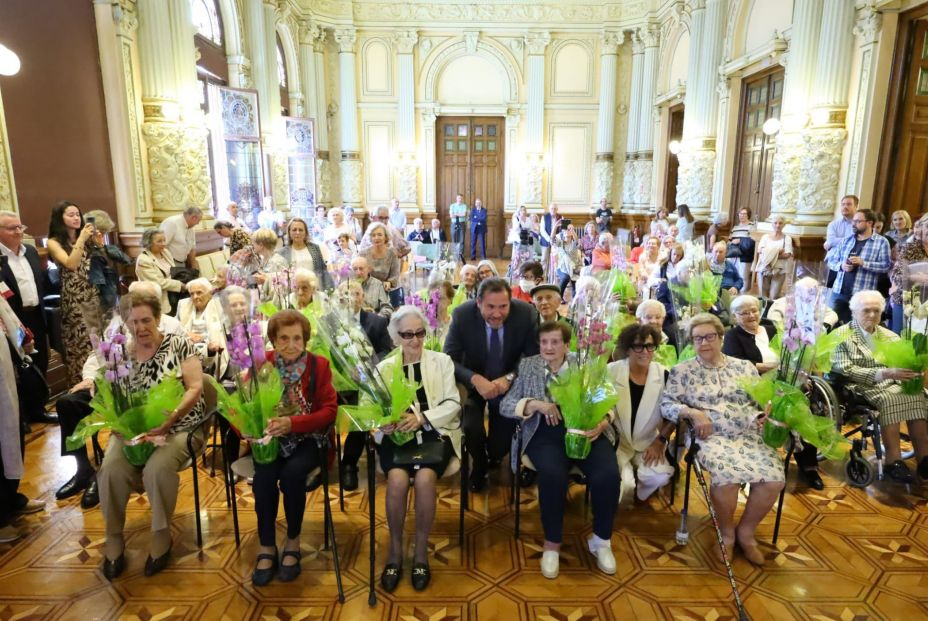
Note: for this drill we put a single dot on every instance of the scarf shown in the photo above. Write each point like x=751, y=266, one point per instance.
x=291, y=374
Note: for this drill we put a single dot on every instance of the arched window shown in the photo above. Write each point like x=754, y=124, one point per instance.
x=206, y=20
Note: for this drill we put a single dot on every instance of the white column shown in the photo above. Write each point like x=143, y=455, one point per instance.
x=116, y=33
x=534, y=136
x=348, y=108
x=159, y=81
x=650, y=37
x=260, y=63
x=429, y=117
x=867, y=29
x=308, y=32
x=824, y=139
x=629, y=179
x=697, y=159
x=603, y=169
x=312, y=66
x=272, y=89
x=185, y=59
x=512, y=143
x=407, y=167
x=797, y=91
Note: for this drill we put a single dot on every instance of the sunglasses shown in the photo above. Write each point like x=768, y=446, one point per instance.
x=640, y=347
x=408, y=336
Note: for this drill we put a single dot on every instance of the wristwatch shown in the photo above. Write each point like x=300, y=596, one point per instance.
x=510, y=377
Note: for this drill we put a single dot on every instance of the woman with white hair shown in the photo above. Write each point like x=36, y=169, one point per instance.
x=200, y=316
x=652, y=313
x=880, y=386
x=486, y=269
x=469, y=280
x=601, y=259
x=435, y=417
x=338, y=226
x=304, y=289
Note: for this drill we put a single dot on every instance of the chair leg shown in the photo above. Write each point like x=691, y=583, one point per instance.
x=461, y=506
x=676, y=464
x=371, y=498
x=338, y=455
x=212, y=459
x=230, y=484
x=196, y=488
x=465, y=475
x=517, y=477
x=330, y=528
x=776, y=523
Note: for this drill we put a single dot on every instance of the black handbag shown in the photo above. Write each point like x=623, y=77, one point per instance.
x=426, y=449
x=31, y=386
x=184, y=274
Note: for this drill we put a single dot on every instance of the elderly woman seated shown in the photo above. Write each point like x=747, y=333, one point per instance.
x=706, y=391
x=468, y=275
x=543, y=433
x=201, y=318
x=155, y=356
x=881, y=386
x=601, y=258
x=308, y=406
x=435, y=418
x=643, y=434
x=485, y=269
x=154, y=265
x=750, y=340
x=653, y=313
x=304, y=290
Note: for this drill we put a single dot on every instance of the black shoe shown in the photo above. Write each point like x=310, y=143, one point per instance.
x=74, y=486
x=91, y=497
x=478, y=482
x=289, y=573
x=261, y=577
x=45, y=418
x=314, y=483
x=421, y=576
x=923, y=469
x=155, y=565
x=900, y=473
x=812, y=479
x=390, y=578
x=494, y=462
x=349, y=478
x=112, y=569
x=527, y=478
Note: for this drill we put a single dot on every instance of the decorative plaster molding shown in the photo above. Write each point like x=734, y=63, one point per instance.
x=869, y=25
x=603, y=177
x=470, y=40
x=406, y=178
x=425, y=45
x=178, y=167
x=536, y=42
x=424, y=11
x=636, y=183
x=534, y=177
x=405, y=41
x=819, y=173
x=637, y=43
x=323, y=181
x=650, y=35
x=351, y=181
x=456, y=50
x=610, y=41
x=786, y=165
x=346, y=39
x=126, y=19
x=7, y=195
x=860, y=117
x=280, y=182
x=694, y=181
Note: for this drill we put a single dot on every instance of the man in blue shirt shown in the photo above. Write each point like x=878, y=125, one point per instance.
x=478, y=230
x=457, y=211
x=859, y=260
x=839, y=228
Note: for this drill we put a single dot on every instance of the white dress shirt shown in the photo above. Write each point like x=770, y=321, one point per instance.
x=180, y=239
x=25, y=279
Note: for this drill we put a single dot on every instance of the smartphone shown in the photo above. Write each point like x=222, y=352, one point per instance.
x=20, y=336
x=92, y=221
x=852, y=254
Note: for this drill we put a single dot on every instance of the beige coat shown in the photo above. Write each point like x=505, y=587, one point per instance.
x=147, y=269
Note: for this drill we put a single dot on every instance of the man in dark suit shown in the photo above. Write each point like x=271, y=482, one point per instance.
x=22, y=284
x=436, y=233
x=487, y=338
x=375, y=327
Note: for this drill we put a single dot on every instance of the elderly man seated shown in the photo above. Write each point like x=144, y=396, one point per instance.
x=727, y=268
x=75, y=405
x=881, y=386
x=546, y=298
x=375, y=295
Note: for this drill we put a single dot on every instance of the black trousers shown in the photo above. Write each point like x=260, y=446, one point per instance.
x=548, y=455
x=71, y=408
x=807, y=458
x=287, y=475
x=481, y=444
x=354, y=442
x=11, y=501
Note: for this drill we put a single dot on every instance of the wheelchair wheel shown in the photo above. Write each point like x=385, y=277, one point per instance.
x=824, y=402
x=859, y=471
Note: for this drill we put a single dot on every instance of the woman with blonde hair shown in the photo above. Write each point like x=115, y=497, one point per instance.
x=772, y=261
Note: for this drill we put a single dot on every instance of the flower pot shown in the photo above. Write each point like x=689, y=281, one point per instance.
x=265, y=453
x=138, y=455
x=576, y=445
x=400, y=438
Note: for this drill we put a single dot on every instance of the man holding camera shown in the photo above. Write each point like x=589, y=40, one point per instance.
x=858, y=260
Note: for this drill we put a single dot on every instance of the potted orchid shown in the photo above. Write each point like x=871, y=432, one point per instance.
x=911, y=350
x=429, y=304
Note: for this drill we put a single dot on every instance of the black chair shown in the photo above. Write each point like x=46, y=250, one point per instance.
x=450, y=471
x=234, y=466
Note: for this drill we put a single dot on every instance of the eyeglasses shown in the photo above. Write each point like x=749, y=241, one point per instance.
x=16, y=228
x=707, y=338
x=408, y=336
x=745, y=313
x=640, y=347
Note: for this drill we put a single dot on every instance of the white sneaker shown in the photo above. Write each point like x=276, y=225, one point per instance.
x=8, y=534
x=604, y=557
x=550, y=564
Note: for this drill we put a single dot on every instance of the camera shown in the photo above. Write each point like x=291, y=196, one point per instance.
x=92, y=221
x=525, y=237
x=565, y=222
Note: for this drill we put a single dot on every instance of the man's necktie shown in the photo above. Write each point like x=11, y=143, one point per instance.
x=494, y=366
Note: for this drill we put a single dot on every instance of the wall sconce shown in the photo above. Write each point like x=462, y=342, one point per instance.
x=675, y=147
x=771, y=126
x=9, y=61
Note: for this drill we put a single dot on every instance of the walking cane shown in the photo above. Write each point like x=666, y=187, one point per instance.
x=693, y=463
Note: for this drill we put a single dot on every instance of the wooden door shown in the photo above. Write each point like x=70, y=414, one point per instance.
x=908, y=184
x=674, y=132
x=760, y=100
x=470, y=163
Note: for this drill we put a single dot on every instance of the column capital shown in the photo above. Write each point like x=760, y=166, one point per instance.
x=610, y=40
x=346, y=38
x=125, y=17
x=697, y=5
x=869, y=25
x=637, y=43
x=405, y=41
x=536, y=42
x=309, y=32
x=429, y=115
x=650, y=35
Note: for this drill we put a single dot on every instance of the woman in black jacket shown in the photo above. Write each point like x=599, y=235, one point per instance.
x=750, y=340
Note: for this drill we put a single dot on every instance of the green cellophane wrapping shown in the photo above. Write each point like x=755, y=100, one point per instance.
x=375, y=411
x=701, y=291
x=147, y=411
x=341, y=381
x=824, y=348
x=665, y=355
x=904, y=354
x=791, y=410
x=623, y=288
x=584, y=396
x=250, y=409
x=460, y=296
x=688, y=353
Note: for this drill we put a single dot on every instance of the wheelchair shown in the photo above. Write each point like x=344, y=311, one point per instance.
x=865, y=429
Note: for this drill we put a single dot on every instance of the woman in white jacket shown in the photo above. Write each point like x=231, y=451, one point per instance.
x=437, y=417
x=643, y=434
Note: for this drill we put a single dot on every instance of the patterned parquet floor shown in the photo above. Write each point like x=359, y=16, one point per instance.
x=844, y=555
